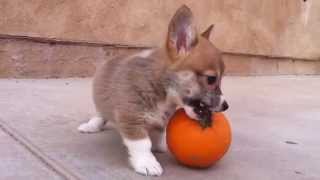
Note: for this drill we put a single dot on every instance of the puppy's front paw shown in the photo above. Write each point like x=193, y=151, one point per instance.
x=146, y=165
x=95, y=124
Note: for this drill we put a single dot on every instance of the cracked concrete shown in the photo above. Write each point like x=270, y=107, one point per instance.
x=275, y=122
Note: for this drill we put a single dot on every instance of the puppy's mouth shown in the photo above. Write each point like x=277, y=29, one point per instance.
x=196, y=109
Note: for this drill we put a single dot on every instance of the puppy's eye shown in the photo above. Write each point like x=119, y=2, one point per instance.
x=211, y=79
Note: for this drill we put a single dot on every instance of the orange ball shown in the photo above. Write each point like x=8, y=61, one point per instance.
x=195, y=146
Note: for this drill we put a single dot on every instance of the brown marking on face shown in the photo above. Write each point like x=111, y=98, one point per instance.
x=204, y=59
x=187, y=49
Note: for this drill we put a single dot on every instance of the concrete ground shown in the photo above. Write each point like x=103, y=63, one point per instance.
x=275, y=122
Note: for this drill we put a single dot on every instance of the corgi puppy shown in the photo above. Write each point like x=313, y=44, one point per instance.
x=139, y=93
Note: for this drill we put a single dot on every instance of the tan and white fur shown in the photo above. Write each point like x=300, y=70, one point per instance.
x=139, y=93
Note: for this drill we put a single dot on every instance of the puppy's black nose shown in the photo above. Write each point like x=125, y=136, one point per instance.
x=225, y=106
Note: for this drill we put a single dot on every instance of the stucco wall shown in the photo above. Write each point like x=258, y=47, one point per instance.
x=267, y=27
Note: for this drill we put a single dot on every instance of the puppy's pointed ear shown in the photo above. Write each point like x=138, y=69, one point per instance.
x=206, y=34
x=182, y=33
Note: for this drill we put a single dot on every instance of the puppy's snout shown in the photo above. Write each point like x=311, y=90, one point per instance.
x=224, y=106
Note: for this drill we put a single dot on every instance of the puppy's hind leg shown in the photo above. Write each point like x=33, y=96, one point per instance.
x=95, y=124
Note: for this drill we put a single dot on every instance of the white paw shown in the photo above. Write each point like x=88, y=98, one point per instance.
x=146, y=165
x=95, y=124
x=141, y=158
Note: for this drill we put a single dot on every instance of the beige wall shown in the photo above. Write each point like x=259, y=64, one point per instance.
x=267, y=27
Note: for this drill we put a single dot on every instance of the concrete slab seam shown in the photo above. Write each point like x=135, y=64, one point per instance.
x=36, y=152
